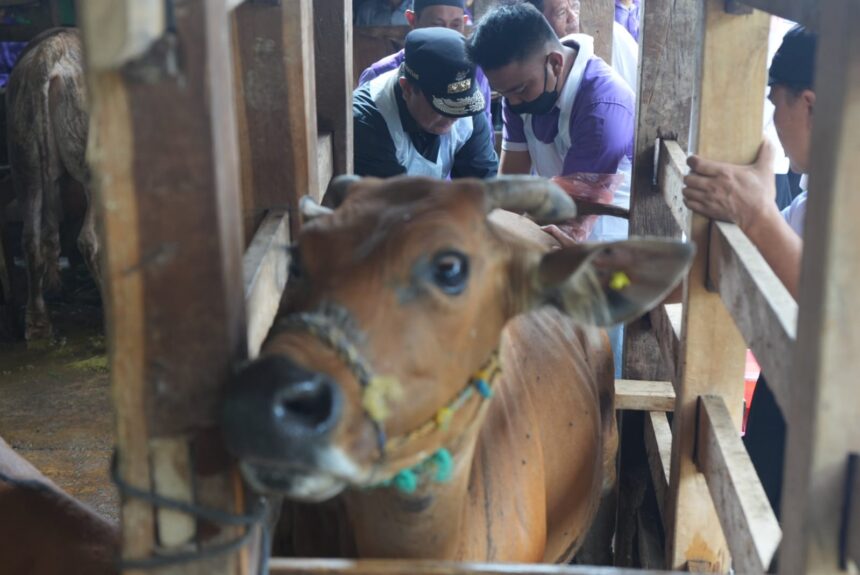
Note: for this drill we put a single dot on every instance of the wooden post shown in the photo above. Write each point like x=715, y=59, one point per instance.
x=823, y=424
x=726, y=126
x=666, y=70
x=333, y=41
x=596, y=20
x=164, y=158
x=275, y=99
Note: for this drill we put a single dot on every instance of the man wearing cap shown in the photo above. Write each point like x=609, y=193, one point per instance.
x=426, y=14
x=745, y=195
x=425, y=117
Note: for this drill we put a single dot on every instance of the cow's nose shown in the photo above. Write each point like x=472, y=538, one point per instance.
x=307, y=409
x=276, y=410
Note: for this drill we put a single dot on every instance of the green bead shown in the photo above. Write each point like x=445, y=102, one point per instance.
x=444, y=465
x=406, y=481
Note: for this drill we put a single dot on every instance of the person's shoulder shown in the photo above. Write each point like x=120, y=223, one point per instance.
x=602, y=83
x=381, y=66
x=363, y=106
x=795, y=213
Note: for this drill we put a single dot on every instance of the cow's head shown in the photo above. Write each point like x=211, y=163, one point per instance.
x=396, y=303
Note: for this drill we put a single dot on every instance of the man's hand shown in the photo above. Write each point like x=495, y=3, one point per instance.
x=728, y=192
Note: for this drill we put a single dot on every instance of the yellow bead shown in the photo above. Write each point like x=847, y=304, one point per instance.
x=443, y=417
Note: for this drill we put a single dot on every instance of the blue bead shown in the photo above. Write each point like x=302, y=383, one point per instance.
x=484, y=389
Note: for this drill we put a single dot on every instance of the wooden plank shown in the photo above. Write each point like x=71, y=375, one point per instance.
x=596, y=20
x=748, y=521
x=644, y=395
x=127, y=29
x=804, y=12
x=758, y=301
x=277, y=107
x=265, y=272
x=417, y=567
x=672, y=167
x=325, y=165
x=823, y=423
x=166, y=170
x=666, y=71
x=666, y=324
x=726, y=126
x=334, y=76
x=852, y=515
x=658, y=445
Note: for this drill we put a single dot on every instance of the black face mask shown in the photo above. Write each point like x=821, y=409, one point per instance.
x=543, y=103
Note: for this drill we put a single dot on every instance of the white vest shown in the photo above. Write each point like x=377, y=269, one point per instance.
x=383, y=94
x=548, y=159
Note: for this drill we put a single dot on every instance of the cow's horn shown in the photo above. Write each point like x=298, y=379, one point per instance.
x=337, y=189
x=310, y=209
x=540, y=198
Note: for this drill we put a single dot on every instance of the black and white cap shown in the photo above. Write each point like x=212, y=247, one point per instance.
x=436, y=60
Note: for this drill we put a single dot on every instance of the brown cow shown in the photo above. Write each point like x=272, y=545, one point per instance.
x=47, y=136
x=44, y=531
x=371, y=386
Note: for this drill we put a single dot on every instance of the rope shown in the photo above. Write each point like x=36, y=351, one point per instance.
x=257, y=517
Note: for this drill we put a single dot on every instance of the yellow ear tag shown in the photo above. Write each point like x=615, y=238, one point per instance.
x=378, y=393
x=619, y=281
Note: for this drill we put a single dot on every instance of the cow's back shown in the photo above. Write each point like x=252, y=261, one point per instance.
x=43, y=530
x=45, y=102
x=547, y=447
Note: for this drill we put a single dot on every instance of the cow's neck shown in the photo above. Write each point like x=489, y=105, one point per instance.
x=423, y=524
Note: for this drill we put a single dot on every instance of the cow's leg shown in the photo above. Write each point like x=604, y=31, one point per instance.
x=88, y=242
x=37, y=323
x=51, y=208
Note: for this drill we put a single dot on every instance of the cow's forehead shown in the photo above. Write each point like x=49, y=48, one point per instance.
x=400, y=210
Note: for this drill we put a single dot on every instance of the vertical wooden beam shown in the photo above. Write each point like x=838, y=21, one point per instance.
x=164, y=158
x=333, y=41
x=823, y=426
x=726, y=126
x=596, y=20
x=666, y=70
x=275, y=99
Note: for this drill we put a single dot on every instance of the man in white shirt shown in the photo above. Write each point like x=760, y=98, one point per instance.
x=745, y=195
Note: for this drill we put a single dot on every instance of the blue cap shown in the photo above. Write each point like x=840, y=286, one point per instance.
x=436, y=61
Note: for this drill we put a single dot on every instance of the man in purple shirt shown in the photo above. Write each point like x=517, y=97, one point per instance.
x=427, y=14
x=565, y=110
x=627, y=14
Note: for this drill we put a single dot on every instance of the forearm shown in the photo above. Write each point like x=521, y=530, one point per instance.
x=780, y=246
x=515, y=163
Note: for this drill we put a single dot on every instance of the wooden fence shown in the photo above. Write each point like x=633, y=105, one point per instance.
x=205, y=133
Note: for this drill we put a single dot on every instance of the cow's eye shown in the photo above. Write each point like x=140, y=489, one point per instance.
x=451, y=271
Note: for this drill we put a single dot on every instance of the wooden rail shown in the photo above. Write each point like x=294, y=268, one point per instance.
x=658, y=446
x=643, y=395
x=417, y=567
x=761, y=306
x=758, y=302
x=801, y=11
x=748, y=521
x=265, y=271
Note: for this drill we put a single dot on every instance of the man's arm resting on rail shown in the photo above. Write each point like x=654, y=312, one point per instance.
x=745, y=196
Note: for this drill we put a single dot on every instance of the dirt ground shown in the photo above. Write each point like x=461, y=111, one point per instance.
x=55, y=405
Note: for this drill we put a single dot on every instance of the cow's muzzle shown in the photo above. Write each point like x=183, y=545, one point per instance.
x=278, y=418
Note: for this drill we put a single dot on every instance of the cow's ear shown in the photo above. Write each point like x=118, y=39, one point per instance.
x=606, y=284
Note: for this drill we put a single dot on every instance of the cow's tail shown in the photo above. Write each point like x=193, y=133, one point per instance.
x=50, y=231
